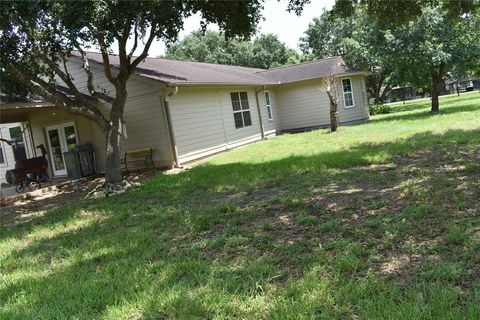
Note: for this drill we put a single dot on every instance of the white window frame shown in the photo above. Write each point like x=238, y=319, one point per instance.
x=268, y=105
x=61, y=131
x=343, y=92
x=242, y=110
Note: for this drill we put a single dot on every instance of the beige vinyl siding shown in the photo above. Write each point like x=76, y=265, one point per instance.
x=236, y=137
x=144, y=116
x=197, y=123
x=303, y=105
x=203, y=122
x=271, y=127
x=144, y=113
x=360, y=109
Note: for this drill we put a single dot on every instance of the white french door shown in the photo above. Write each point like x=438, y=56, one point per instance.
x=61, y=138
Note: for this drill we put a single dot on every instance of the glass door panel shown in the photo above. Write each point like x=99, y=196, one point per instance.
x=19, y=150
x=56, y=151
x=61, y=138
x=70, y=137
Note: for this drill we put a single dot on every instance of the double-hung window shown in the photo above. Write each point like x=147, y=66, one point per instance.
x=241, y=109
x=347, y=93
x=268, y=103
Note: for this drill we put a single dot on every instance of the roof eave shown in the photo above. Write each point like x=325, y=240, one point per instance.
x=216, y=84
x=354, y=73
x=338, y=75
x=25, y=105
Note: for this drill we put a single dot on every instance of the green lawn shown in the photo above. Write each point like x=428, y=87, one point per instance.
x=376, y=221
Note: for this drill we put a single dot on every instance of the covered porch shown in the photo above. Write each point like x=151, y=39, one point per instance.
x=51, y=132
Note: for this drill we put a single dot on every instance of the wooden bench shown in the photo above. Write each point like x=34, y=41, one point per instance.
x=143, y=155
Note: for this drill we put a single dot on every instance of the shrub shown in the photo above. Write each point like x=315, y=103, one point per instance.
x=379, y=109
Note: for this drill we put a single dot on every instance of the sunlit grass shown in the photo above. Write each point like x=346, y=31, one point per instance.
x=376, y=221
x=406, y=121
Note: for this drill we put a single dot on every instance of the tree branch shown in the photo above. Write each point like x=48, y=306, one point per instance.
x=371, y=92
x=144, y=53
x=135, y=43
x=386, y=90
x=106, y=60
x=90, y=87
x=63, y=75
x=122, y=54
x=122, y=44
x=60, y=99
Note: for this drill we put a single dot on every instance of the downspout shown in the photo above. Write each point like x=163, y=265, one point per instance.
x=262, y=130
x=173, y=143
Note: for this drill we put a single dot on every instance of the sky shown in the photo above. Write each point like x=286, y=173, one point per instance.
x=287, y=25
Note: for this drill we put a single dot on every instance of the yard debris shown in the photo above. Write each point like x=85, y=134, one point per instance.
x=176, y=170
x=102, y=191
x=63, y=193
x=99, y=194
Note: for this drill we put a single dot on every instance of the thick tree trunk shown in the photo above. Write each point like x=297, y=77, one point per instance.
x=374, y=86
x=435, y=105
x=113, y=169
x=377, y=98
x=333, y=117
x=436, y=81
x=330, y=86
x=386, y=90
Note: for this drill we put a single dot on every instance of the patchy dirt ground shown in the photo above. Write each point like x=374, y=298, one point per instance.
x=408, y=217
x=399, y=219
x=66, y=193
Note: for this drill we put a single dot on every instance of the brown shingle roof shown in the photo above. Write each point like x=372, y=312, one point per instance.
x=308, y=70
x=185, y=72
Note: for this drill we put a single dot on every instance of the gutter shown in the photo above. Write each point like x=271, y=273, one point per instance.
x=171, y=134
x=262, y=129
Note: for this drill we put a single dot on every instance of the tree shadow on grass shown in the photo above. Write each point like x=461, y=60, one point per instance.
x=468, y=106
x=412, y=105
x=166, y=249
x=189, y=188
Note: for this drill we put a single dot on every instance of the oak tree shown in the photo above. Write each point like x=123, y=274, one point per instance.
x=266, y=51
x=428, y=48
x=360, y=41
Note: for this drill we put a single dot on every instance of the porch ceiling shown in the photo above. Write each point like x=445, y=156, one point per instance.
x=18, y=112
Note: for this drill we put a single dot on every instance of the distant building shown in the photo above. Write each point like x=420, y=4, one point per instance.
x=403, y=93
x=464, y=84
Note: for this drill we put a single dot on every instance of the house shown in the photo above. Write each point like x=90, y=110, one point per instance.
x=189, y=110
x=464, y=84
